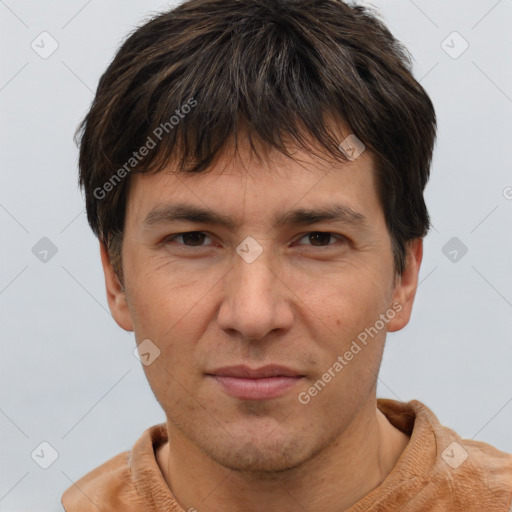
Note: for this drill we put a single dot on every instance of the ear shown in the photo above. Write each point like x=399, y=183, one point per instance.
x=115, y=293
x=406, y=285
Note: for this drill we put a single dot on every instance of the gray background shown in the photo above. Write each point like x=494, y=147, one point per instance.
x=68, y=374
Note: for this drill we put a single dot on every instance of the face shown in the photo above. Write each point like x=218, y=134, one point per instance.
x=298, y=293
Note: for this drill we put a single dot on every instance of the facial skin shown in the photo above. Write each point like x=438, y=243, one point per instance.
x=299, y=304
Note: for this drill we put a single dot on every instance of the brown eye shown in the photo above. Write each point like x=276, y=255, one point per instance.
x=320, y=238
x=189, y=239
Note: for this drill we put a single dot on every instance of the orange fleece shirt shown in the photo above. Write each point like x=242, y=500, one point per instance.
x=431, y=475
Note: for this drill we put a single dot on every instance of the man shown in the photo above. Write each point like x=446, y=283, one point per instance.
x=254, y=170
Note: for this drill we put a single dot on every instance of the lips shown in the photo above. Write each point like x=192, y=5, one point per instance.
x=263, y=383
x=243, y=371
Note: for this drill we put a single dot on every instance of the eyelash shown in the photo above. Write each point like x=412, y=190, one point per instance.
x=171, y=238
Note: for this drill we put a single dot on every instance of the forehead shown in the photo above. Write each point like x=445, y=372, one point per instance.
x=239, y=186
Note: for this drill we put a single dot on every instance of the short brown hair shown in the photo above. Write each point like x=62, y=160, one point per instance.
x=196, y=74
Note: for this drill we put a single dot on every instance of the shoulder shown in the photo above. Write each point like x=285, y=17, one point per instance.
x=115, y=485
x=473, y=474
x=478, y=466
x=103, y=488
x=439, y=470
x=470, y=475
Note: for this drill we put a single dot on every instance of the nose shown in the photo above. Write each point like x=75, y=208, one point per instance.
x=256, y=300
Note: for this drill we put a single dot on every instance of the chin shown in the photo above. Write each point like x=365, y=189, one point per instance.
x=260, y=457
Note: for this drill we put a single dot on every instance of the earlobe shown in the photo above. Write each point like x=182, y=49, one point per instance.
x=405, y=288
x=116, y=296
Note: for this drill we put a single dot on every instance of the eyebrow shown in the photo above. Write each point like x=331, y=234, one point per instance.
x=300, y=216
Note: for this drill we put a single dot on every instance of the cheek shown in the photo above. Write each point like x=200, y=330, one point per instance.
x=171, y=312
x=345, y=316
x=347, y=303
x=172, y=309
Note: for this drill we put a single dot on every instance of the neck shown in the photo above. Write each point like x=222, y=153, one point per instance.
x=333, y=480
